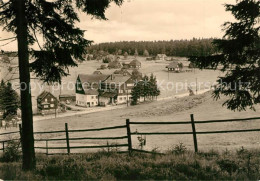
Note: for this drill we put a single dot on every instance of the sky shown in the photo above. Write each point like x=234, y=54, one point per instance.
x=148, y=20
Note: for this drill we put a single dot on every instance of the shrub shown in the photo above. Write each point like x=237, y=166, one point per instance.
x=179, y=149
x=12, y=152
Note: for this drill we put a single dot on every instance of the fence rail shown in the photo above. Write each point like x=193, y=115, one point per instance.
x=129, y=134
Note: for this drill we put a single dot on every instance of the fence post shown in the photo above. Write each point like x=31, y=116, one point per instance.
x=194, y=133
x=129, y=136
x=67, y=138
x=47, y=151
x=20, y=131
x=3, y=146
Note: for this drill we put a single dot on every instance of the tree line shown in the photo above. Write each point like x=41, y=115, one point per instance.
x=181, y=48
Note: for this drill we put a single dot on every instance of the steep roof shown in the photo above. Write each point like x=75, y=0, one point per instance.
x=43, y=95
x=118, y=79
x=122, y=72
x=135, y=62
x=97, y=72
x=173, y=65
x=94, y=78
x=91, y=92
x=108, y=94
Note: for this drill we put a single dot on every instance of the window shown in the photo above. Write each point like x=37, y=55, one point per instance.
x=46, y=100
x=125, y=98
x=92, y=97
x=120, y=98
x=96, y=97
x=92, y=103
x=52, y=99
x=45, y=106
x=52, y=105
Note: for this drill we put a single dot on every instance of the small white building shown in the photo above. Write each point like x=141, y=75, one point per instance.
x=87, y=86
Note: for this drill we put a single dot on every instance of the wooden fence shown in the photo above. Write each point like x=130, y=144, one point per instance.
x=128, y=136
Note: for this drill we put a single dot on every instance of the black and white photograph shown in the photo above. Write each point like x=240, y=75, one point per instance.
x=129, y=90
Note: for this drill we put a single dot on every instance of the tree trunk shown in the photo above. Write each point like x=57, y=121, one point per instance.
x=26, y=102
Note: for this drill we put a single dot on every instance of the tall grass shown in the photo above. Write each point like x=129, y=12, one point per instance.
x=239, y=165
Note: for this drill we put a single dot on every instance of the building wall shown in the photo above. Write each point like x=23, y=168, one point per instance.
x=122, y=99
x=86, y=100
x=104, y=101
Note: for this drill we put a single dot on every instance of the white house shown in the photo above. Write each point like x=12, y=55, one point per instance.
x=87, y=89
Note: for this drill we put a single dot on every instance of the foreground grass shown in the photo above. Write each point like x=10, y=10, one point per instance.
x=240, y=165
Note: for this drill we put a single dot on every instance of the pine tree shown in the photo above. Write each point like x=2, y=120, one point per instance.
x=9, y=100
x=155, y=91
x=2, y=92
x=64, y=45
x=238, y=56
x=145, y=91
x=147, y=88
x=136, y=93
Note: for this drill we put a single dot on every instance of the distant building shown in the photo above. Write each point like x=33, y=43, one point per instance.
x=116, y=90
x=136, y=75
x=150, y=58
x=47, y=103
x=161, y=57
x=135, y=64
x=103, y=67
x=67, y=98
x=122, y=72
x=114, y=65
x=97, y=72
x=87, y=87
x=174, y=66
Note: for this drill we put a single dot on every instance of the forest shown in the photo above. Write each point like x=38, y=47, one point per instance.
x=180, y=48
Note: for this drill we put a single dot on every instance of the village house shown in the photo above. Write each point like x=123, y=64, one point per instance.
x=114, y=65
x=136, y=75
x=67, y=98
x=47, y=103
x=161, y=56
x=174, y=67
x=97, y=72
x=123, y=72
x=87, y=87
x=135, y=64
x=116, y=89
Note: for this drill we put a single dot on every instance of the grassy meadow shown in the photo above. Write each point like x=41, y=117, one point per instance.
x=176, y=164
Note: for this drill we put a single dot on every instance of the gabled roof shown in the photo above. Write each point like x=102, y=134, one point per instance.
x=97, y=72
x=108, y=94
x=135, y=62
x=44, y=94
x=173, y=65
x=122, y=72
x=86, y=78
x=91, y=92
x=117, y=79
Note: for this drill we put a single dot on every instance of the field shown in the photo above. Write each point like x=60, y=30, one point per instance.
x=202, y=106
x=167, y=108
x=171, y=83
